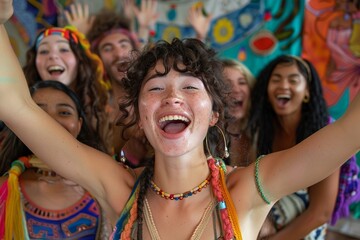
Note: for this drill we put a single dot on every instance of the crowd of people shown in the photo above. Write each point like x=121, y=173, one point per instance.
x=160, y=140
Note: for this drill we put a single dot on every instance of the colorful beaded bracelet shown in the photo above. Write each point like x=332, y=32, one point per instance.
x=257, y=180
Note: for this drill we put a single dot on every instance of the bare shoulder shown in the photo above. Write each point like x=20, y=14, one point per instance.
x=240, y=183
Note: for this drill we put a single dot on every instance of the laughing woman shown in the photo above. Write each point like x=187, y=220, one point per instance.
x=52, y=206
x=175, y=90
x=63, y=54
x=290, y=107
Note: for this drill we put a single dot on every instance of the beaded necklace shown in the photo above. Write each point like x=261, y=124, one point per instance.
x=45, y=173
x=180, y=196
x=48, y=176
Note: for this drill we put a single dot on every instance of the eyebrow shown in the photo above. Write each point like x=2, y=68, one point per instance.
x=124, y=40
x=58, y=105
x=120, y=41
x=65, y=105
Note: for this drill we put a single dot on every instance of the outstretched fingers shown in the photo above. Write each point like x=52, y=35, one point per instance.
x=6, y=10
x=79, y=17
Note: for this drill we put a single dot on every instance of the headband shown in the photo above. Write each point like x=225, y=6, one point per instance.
x=133, y=39
x=305, y=64
x=73, y=35
x=62, y=32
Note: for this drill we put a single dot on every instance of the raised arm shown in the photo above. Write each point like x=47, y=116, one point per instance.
x=313, y=159
x=199, y=21
x=146, y=17
x=79, y=17
x=92, y=169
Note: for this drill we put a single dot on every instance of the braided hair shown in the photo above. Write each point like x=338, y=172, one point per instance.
x=185, y=56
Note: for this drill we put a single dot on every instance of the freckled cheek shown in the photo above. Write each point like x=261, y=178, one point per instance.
x=144, y=109
x=204, y=103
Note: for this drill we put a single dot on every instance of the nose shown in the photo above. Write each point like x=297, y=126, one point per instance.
x=284, y=84
x=53, y=55
x=120, y=52
x=172, y=97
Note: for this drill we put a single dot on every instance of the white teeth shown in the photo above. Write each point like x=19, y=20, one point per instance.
x=174, y=117
x=55, y=68
x=281, y=96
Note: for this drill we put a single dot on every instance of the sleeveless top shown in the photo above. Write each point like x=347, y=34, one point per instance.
x=291, y=206
x=82, y=220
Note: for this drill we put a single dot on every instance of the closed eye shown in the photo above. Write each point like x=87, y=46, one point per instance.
x=191, y=87
x=42, y=52
x=156, y=89
x=64, y=50
x=65, y=113
x=294, y=80
x=275, y=80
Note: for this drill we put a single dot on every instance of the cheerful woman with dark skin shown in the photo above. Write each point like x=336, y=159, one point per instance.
x=290, y=107
x=175, y=89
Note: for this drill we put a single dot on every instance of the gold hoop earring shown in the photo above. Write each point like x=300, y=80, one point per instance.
x=207, y=146
x=306, y=99
x=226, y=151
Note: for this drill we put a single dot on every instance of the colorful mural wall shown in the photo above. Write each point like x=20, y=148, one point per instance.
x=253, y=31
x=331, y=41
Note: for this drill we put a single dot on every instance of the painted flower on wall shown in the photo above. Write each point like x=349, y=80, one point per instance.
x=223, y=31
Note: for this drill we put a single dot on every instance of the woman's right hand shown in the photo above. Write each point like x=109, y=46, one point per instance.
x=79, y=17
x=6, y=10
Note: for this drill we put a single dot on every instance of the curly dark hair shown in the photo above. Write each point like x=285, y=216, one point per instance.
x=12, y=147
x=188, y=55
x=91, y=92
x=185, y=56
x=105, y=21
x=262, y=116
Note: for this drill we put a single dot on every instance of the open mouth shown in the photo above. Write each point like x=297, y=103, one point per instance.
x=282, y=99
x=174, y=123
x=236, y=103
x=55, y=70
x=122, y=65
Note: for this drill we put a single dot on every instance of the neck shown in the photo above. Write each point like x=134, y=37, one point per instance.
x=235, y=127
x=179, y=174
x=46, y=173
x=288, y=124
x=285, y=134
